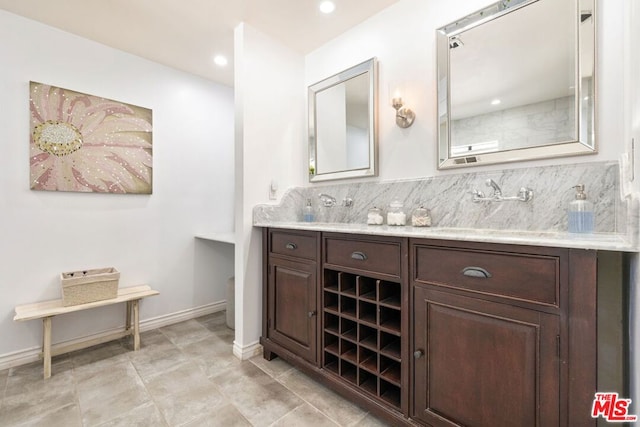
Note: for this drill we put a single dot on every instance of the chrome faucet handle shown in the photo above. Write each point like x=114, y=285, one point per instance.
x=525, y=194
x=478, y=196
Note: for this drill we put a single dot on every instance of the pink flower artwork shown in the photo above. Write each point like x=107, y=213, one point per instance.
x=85, y=143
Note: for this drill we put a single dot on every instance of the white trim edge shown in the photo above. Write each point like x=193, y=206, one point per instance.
x=248, y=351
x=22, y=357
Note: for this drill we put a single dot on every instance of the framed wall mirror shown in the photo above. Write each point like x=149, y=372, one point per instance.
x=342, y=124
x=516, y=81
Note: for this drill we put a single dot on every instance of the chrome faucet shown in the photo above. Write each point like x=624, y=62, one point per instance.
x=327, y=200
x=330, y=201
x=524, y=195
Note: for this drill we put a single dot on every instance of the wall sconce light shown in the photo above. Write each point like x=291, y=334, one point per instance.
x=404, y=116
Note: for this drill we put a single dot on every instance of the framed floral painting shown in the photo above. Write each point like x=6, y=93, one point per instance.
x=85, y=143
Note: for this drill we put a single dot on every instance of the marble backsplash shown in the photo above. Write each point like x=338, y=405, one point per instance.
x=450, y=201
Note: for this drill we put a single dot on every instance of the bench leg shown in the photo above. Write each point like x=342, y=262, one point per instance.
x=136, y=324
x=46, y=346
x=127, y=325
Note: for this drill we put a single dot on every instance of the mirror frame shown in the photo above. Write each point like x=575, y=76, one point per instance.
x=586, y=139
x=370, y=67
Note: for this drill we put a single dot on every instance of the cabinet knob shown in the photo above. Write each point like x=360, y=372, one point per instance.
x=311, y=314
x=418, y=354
x=291, y=246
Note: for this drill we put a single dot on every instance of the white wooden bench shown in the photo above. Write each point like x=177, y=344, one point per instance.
x=46, y=310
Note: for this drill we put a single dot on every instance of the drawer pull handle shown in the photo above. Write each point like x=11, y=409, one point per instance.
x=360, y=256
x=476, y=272
x=418, y=354
x=291, y=246
x=311, y=314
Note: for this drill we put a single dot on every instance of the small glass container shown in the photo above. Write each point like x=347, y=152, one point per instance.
x=396, y=215
x=421, y=217
x=374, y=216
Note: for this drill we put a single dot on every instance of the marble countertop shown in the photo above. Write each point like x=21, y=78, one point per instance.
x=598, y=241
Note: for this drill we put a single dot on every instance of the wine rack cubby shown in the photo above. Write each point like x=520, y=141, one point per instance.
x=362, y=333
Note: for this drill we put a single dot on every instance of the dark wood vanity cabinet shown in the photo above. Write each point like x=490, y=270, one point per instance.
x=291, y=293
x=493, y=329
x=436, y=332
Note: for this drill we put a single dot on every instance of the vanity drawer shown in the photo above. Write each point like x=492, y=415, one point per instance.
x=372, y=256
x=299, y=245
x=525, y=277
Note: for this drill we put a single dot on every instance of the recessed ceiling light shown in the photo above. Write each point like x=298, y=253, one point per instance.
x=220, y=60
x=327, y=7
x=495, y=102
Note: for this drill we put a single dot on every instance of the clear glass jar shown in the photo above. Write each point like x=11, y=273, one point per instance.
x=374, y=216
x=395, y=214
x=421, y=217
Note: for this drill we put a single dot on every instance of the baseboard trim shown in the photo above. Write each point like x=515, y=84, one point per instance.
x=22, y=357
x=181, y=316
x=248, y=351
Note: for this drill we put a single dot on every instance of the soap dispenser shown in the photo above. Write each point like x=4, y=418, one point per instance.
x=581, y=214
x=307, y=212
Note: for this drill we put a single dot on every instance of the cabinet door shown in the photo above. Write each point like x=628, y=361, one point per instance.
x=481, y=363
x=292, y=319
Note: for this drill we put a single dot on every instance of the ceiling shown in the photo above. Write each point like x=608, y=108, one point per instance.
x=186, y=34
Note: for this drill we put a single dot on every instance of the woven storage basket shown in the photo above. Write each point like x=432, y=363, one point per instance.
x=79, y=287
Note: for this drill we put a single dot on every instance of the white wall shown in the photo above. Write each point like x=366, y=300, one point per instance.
x=149, y=238
x=269, y=135
x=402, y=37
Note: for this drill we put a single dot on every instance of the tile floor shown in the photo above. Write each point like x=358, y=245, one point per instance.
x=184, y=375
